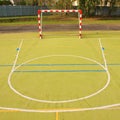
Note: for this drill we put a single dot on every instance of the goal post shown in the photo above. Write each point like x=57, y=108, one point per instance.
x=59, y=11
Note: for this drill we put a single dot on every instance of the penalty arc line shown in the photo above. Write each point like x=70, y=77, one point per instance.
x=50, y=101
x=105, y=63
x=14, y=65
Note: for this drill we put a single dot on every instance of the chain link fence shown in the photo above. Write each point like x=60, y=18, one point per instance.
x=19, y=10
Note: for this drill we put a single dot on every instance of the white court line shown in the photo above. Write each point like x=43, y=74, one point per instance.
x=17, y=55
x=105, y=61
x=106, y=107
x=103, y=54
x=63, y=101
x=14, y=63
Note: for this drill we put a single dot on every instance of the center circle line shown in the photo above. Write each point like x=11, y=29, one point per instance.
x=61, y=101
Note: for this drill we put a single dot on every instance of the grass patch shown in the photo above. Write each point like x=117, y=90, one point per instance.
x=56, y=19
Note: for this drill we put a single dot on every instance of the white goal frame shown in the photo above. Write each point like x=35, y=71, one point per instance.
x=59, y=11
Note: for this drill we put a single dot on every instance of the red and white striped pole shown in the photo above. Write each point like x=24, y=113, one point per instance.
x=80, y=23
x=42, y=11
x=39, y=24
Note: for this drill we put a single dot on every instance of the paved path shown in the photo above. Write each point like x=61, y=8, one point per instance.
x=34, y=28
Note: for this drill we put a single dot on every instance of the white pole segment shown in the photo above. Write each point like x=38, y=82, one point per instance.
x=42, y=11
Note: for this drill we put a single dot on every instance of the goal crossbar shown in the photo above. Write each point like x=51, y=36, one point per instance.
x=59, y=11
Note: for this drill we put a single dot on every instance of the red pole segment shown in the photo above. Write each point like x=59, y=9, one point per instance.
x=39, y=24
x=80, y=23
x=40, y=19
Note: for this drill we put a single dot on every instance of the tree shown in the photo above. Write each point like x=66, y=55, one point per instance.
x=49, y=3
x=63, y=4
x=88, y=6
x=35, y=2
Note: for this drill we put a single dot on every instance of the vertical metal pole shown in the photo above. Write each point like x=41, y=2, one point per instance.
x=80, y=24
x=39, y=24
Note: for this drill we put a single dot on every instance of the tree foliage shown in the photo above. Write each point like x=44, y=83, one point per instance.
x=63, y=4
x=88, y=6
x=5, y=2
x=49, y=3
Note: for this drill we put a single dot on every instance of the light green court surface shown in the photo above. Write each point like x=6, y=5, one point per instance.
x=60, y=77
